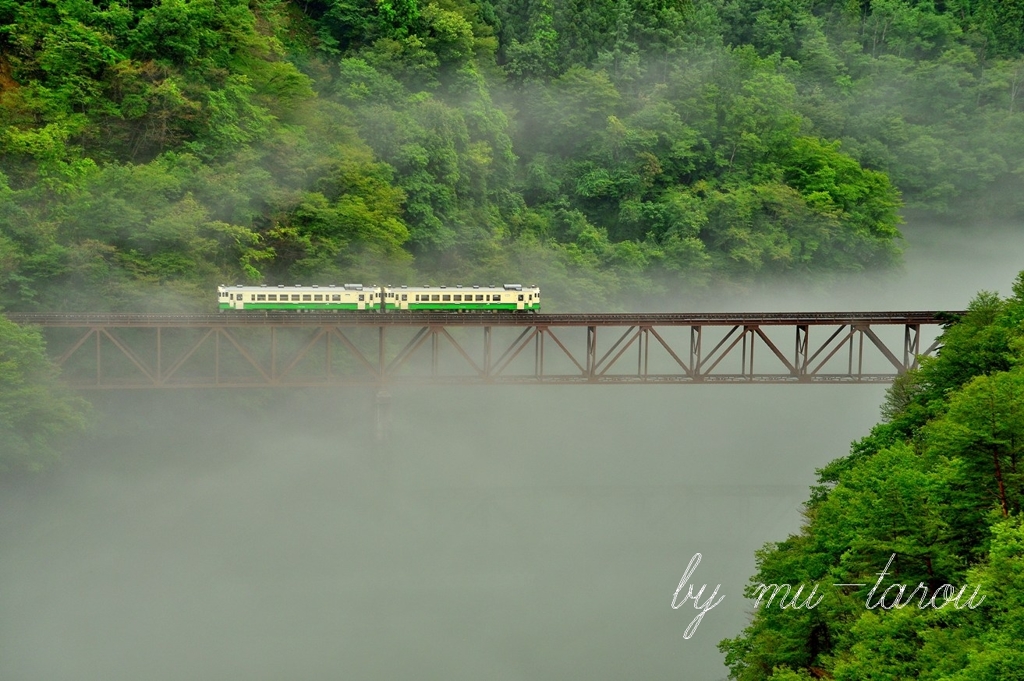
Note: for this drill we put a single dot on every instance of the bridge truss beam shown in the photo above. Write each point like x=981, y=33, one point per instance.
x=293, y=350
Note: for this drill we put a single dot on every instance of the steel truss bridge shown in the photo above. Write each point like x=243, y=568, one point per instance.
x=247, y=350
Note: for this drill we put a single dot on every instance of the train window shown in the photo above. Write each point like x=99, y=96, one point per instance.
x=435, y=297
x=496, y=297
x=336, y=296
x=479, y=297
x=306, y=296
x=405, y=296
x=261, y=297
x=272, y=296
x=446, y=297
x=520, y=297
x=320, y=297
x=457, y=298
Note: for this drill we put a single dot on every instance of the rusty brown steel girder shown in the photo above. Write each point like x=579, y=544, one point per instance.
x=246, y=350
x=283, y=318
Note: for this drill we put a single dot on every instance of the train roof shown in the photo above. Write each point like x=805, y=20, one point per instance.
x=271, y=287
x=360, y=287
x=460, y=287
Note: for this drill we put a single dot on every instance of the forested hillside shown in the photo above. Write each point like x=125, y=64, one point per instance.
x=938, y=487
x=149, y=150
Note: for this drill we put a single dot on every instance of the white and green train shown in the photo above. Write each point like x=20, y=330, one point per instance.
x=507, y=298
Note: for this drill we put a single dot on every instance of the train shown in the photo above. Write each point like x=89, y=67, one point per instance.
x=356, y=297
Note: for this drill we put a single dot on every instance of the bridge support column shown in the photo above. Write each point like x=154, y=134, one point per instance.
x=487, y=352
x=800, y=358
x=695, y=352
x=911, y=346
x=591, y=352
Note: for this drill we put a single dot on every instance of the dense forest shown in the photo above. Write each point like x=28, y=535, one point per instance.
x=150, y=150
x=939, y=485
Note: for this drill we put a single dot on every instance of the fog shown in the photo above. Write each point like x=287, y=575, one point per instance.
x=503, y=533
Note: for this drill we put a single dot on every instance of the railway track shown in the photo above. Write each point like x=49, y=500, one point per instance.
x=239, y=319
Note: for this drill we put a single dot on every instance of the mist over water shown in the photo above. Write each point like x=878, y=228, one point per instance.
x=945, y=266
x=504, y=533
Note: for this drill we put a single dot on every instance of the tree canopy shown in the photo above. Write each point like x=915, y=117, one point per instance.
x=939, y=485
x=600, y=146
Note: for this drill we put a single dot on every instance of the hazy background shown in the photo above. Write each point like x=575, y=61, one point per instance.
x=506, y=533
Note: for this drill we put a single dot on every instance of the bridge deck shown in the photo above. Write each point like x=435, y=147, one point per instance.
x=481, y=319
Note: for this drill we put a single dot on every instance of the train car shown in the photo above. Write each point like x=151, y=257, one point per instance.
x=299, y=298
x=507, y=298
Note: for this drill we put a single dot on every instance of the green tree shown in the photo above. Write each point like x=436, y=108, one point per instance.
x=938, y=487
x=37, y=413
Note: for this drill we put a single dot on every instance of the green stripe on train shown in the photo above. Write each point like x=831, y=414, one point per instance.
x=471, y=306
x=389, y=306
x=293, y=306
